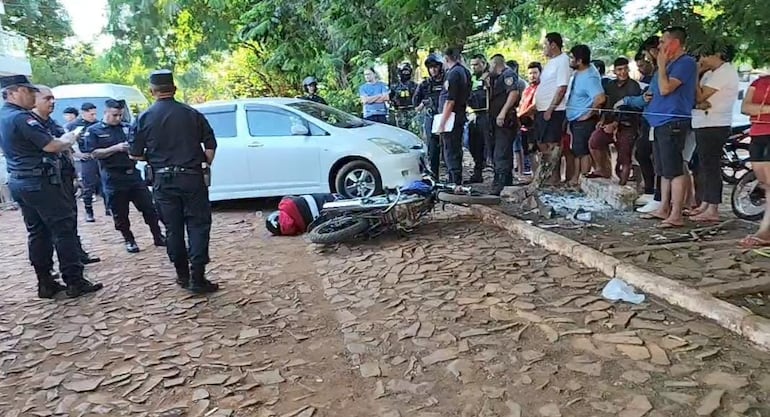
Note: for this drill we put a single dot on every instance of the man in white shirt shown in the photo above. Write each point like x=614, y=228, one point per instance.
x=550, y=97
x=712, y=118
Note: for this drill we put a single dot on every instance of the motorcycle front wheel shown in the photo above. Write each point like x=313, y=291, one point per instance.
x=338, y=230
x=473, y=198
x=748, y=198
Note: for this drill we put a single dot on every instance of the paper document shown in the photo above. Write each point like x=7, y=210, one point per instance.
x=450, y=123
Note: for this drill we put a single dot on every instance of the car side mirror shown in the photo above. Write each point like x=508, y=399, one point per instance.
x=740, y=95
x=299, y=130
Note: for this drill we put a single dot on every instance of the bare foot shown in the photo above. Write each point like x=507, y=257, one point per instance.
x=674, y=220
x=704, y=218
x=660, y=214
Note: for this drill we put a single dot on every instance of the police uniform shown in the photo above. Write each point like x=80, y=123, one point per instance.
x=123, y=184
x=35, y=183
x=169, y=136
x=89, y=171
x=314, y=97
x=428, y=93
x=456, y=88
x=401, y=96
x=479, y=131
x=68, y=176
x=502, y=85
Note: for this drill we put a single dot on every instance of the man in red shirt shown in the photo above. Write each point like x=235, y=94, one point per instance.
x=527, y=112
x=756, y=104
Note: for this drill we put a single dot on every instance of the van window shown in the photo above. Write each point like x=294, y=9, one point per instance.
x=63, y=103
x=223, y=123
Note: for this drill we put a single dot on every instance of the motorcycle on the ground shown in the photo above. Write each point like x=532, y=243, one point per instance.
x=399, y=210
x=748, y=195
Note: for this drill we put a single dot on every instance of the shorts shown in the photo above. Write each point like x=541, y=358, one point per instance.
x=669, y=148
x=581, y=133
x=759, y=149
x=550, y=131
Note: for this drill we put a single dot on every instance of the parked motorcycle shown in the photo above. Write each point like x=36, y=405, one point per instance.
x=735, y=155
x=399, y=210
x=748, y=198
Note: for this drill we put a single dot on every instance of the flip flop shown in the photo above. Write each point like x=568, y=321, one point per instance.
x=762, y=252
x=648, y=216
x=667, y=225
x=594, y=175
x=704, y=221
x=753, y=242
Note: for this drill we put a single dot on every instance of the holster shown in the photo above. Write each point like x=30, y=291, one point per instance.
x=149, y=176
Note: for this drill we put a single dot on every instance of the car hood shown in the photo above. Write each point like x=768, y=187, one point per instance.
x=401, y=136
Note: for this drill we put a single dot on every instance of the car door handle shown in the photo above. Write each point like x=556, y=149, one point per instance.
x=255, y=145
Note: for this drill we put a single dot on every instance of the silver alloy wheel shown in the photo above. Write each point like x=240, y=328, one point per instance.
x=360, y=183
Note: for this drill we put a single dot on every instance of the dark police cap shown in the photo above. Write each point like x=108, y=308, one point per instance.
x=162, y=77
x=17, y=80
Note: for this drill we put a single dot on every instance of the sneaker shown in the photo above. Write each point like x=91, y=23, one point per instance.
x=644, y=199
x=159, y=240
x=131, y=246
x=649, y=207
x=90, y=218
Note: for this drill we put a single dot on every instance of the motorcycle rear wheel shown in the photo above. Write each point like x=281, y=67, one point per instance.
x=745, y=204
x=338, y=230
x=481, y=199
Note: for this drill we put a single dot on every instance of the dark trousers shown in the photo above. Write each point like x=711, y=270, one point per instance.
x=710, y=141
x=50, y=223
x=183, y=202
x=140, y=196
x=433, y=142
x=68, y=183
x=92, y=183
x=644, y=158
x=453, y=151
x=379, y=118
x=504, y=137
x=480, y=140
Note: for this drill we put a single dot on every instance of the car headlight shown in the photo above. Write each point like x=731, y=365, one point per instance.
x=389, y=146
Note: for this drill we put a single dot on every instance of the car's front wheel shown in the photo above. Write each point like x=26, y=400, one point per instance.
x=358, y=179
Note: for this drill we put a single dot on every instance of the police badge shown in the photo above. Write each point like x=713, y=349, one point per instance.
x=508, y=81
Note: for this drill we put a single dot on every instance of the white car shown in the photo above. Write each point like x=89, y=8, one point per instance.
x=284, y=146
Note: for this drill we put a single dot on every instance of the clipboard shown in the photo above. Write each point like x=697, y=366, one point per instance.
x=450, y=123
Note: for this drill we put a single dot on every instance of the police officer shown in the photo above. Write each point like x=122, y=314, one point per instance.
x=107, y=141
x=89, y=168
x=502, y=111
x=44, y=107
x=479, y=131
x=179, y=144
x=70, y=114
x=453, y=100
x=35, y=183
x=426, y=99
x=310, y=85
x=401, y=96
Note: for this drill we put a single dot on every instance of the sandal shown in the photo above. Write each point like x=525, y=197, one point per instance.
x=753, y=242
x=667, y=225
x=648, y=216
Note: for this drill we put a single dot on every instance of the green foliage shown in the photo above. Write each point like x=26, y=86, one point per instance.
x=45, y=23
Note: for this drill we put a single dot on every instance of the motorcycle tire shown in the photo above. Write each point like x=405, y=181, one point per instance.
x=481, y=199
x=731, y=175
x=338, y=230
x=738, y=208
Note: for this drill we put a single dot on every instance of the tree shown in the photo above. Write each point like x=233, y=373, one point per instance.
x=45, y=23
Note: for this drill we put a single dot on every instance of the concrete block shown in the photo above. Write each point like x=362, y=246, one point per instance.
x=757, y=329
x=593, y=258
x=617, y=196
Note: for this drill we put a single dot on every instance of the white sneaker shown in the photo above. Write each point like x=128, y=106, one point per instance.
x=651, y=206
x=644, y=199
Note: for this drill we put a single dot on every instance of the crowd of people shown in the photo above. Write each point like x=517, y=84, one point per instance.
x=667, y=127
x=175, y=140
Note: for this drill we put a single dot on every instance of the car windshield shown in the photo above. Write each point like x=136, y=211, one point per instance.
x=330, y=115
x=63, y=103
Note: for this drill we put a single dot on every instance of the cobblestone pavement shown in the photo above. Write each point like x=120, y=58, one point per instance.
x=457, y=320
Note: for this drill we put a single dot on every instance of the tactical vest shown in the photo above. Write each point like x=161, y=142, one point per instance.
x=479, y=99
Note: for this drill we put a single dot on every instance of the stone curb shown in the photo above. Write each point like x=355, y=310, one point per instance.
x=751, y=326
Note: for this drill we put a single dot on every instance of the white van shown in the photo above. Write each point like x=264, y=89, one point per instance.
x=74, y=95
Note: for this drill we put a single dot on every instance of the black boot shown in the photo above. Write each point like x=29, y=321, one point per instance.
x=82, y=286
x=198, y=282
x=182, y=274
x=476, y=178
x=87, y=259
x=90, y=215
x=159, y=240
x=47, y=287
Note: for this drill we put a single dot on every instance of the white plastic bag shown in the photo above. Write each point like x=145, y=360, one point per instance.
x=617, y=289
